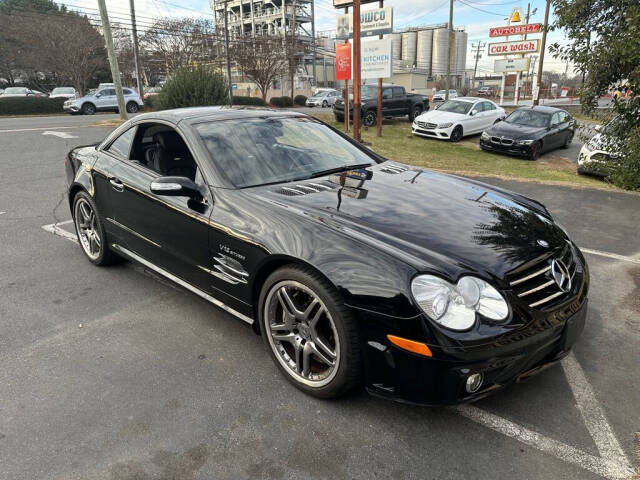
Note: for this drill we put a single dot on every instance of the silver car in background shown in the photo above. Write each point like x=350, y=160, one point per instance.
x=104, y=100
x=63, y=92
x=324, y=98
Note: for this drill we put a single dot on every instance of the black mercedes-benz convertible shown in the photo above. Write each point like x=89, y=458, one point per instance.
x=427, y=287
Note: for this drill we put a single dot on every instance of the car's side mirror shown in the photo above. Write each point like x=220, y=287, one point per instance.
x=98, y=95
x=473, y=112
x=176, y=187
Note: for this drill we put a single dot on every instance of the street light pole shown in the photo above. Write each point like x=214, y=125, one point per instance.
x=451, y=47
x=536, y=100
x=226, y=43
x=113, y=60
x=134, y=33
x=357, y=77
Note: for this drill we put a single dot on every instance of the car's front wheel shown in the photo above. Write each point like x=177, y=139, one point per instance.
x=456, y=135
x=568, y=140
x=132, y=107
x=90, y=231
x=309, y=332
x=88, y=109
x=536, y=150
x=325, y=104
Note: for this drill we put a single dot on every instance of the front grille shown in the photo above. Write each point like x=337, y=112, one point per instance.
x=502, y=140
x=427, y=125
x=536, y=284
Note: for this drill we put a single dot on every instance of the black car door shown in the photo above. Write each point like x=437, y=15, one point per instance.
x=388, y=107
x=169, y=232
x=553, y=138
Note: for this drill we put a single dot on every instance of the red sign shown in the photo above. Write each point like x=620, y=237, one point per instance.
x=343, y=61
x=515, y=30
x=511, y=48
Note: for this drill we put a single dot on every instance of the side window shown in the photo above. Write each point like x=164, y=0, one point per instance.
x=488, y=106
x=387, y=93
x=126, y=91
x=555, y=119
x=398, y=92
x=564, y=117
x=478, y=107
x=111, y=92
x=122, y=145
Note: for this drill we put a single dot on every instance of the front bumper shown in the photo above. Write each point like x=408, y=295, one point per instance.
x=71, y=108
x=442, y=133
x=513, y=149
x=399, y=375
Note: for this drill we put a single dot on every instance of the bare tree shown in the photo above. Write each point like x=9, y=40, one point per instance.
x=179, y=42
x=263, y=60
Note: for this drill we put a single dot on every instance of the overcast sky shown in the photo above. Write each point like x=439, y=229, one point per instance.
x=475, y=16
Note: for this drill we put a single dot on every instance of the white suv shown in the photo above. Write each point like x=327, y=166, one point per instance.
x=104, y=99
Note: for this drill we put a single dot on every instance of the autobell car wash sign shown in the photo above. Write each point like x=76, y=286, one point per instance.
x=513, y=48
x=515, y=30
x=372, y=22
x=376, y=58
x=343, y=61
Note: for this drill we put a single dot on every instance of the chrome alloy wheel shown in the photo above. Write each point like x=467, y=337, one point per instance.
x=87, y=228
x=302, y=333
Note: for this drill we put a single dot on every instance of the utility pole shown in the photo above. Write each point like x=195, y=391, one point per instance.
x=478, y=47
x=113, y=60
x=226, y=43
x=313, y=42
x=346, y=90
x=536, y=100
x=357, y=77
x=379, y=110
x=292, y=59
x=134, y=33
x=451, y=49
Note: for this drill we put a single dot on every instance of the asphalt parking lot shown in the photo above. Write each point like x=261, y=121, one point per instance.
x=112, y=373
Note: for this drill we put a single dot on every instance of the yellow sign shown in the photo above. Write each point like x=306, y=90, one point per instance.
x=515, y=15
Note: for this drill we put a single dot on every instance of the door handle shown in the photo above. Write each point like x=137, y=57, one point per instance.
x=116, y=184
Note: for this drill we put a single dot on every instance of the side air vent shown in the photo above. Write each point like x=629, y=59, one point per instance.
x=394, y=169
x=306, y=188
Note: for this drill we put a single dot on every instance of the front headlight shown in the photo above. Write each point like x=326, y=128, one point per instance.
x=523, y=142
x=455, y=306
x=485, y=136
x=445, y=125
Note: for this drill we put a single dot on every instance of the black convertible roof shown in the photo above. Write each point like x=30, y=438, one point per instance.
x=196, y=114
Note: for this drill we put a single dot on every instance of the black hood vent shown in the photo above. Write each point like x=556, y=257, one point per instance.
x=306, y=188
x=394, y=169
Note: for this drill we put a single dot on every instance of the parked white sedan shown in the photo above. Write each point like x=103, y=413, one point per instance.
x=457, y=118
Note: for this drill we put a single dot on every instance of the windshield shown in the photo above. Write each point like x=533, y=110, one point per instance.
x=277, y=150
x=530, y=118
x=441, y=92
x=455, y=106
x=62, y=90
x=320, y=94
x=369, y=91
x=14, y=90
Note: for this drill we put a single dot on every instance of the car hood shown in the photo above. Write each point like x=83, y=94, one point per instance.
x=437, y=116
x=427, y=219
x=515, y=131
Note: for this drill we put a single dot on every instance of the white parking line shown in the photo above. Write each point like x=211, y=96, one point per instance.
x=612, y=463
x=58, y=134
x=614, y=256
x=36, y=129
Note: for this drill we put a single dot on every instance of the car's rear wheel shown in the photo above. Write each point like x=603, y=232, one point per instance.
x=88, y=109
x=536, y=150
x=309, y=332
x=370, y=118
x=415, y=112
x=567, y=142
x=339, y=118
x=456, y=135
x=132, y=107
x=90, y=231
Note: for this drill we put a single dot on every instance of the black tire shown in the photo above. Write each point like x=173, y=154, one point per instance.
x=456, y=135
x=567, y=142
x=536, y=151
x=339, y=118
x=349, y=361
x=132, y=107
x=416, y=111
x=370, y=118
x=106, y=255
x=325, y=104
x=88, y=109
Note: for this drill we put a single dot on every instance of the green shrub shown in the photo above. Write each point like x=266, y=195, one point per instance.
x=30, y=105
x=193, y=87
x=281, y=102
x=255, y=101
x=300, y=100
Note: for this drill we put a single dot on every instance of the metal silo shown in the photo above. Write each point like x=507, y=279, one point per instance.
x=440, y=52
x=396, y=41
x=461, y=53
x=409, y=40
x=424, y=48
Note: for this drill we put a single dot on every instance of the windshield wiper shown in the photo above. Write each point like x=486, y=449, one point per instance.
x=343, y=168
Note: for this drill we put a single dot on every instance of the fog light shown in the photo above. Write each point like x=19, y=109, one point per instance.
x=474, y=382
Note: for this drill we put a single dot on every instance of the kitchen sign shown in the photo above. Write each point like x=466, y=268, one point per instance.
x=376, y=58
x=515, y=30
x=513, y=48
x=372, y=23
x=507, y=65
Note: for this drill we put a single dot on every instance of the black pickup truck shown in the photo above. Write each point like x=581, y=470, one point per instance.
x=396, y=102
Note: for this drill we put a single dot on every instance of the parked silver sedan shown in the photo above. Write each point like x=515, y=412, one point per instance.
x=324, y=99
